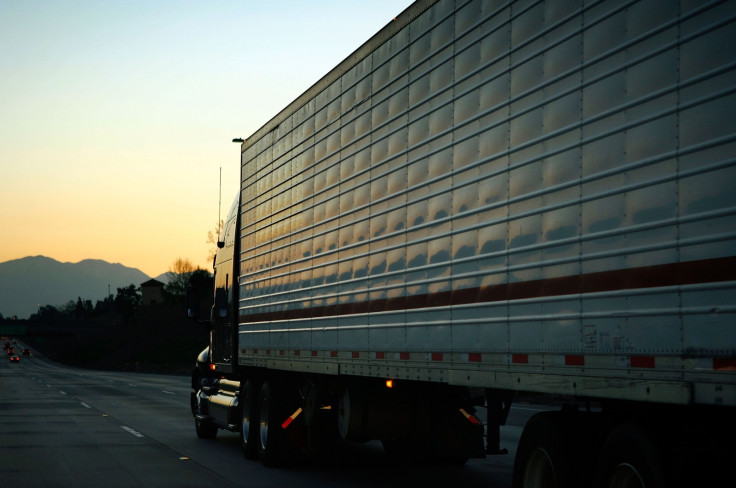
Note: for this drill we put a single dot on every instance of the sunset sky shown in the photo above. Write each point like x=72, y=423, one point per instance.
x=116, y=116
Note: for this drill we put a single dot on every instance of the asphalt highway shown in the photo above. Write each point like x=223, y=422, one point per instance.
x=68, y=427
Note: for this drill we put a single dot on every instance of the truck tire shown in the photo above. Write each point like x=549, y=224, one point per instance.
x=249, y=438
x=271, y=436
x=545, y=458
x=630, y=459
x=205, y=429
x=350, y=411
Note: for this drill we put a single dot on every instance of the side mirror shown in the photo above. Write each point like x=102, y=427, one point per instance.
x=220, y=303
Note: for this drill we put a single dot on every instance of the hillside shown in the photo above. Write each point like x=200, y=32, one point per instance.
x=27, y=283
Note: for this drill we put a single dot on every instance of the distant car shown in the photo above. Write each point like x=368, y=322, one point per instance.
x=14, y=359
x=11, y=351
x=26, y=352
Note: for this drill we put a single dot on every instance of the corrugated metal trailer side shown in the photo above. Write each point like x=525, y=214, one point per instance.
x=526, y=195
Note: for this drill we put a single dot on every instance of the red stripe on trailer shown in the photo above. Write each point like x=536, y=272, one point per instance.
x=574, y=360
x=682, y=273
x=297, y=353
x=356, y=355
x=281, y=352
x=437, y=356
x=314, y=353
x=641, y=361
x=404, y=356
x=333, y=354
x=475, y=357
x=724, y=364
x=520, y=358
x=380, y=355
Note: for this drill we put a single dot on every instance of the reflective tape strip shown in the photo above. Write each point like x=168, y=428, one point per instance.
x=574, y=360
x=520, y=358
x=641, y=361
x=724, y=364
x=613, y=360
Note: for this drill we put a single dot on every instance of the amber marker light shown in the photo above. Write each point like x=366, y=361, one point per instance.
x=389, y=383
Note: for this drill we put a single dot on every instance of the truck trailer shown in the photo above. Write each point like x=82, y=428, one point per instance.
x=487, y=201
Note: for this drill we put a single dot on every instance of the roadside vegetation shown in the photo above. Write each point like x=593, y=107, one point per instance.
x=120, y=332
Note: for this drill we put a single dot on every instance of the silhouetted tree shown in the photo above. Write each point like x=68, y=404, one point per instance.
x=127, y=302
x=47, y=313
x=104, y=306
x=179, y=277
x=83, y=309
x=212, y=237
x=201, y=278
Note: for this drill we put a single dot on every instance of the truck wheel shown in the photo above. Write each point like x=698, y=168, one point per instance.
x=205, y=429
x=629, y=459
x=543, y=458
x=270, y=433
x=350, y=410
x=249, y=441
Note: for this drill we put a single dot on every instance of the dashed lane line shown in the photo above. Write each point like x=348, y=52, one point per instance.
x=131, y=431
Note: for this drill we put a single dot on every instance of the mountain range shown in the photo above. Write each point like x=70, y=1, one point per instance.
x=34, y=281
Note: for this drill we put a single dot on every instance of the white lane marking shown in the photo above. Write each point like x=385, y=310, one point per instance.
x=131, y=431
x=62, y=392
x=169, y=392
x=85, y=405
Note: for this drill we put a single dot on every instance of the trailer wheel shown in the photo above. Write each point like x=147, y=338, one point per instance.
x=350, y=412
x=544, y=458
x=249, y=438
x=630, y=459
x=271, y=436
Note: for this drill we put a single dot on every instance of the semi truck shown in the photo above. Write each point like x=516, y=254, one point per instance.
x=487, y=201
